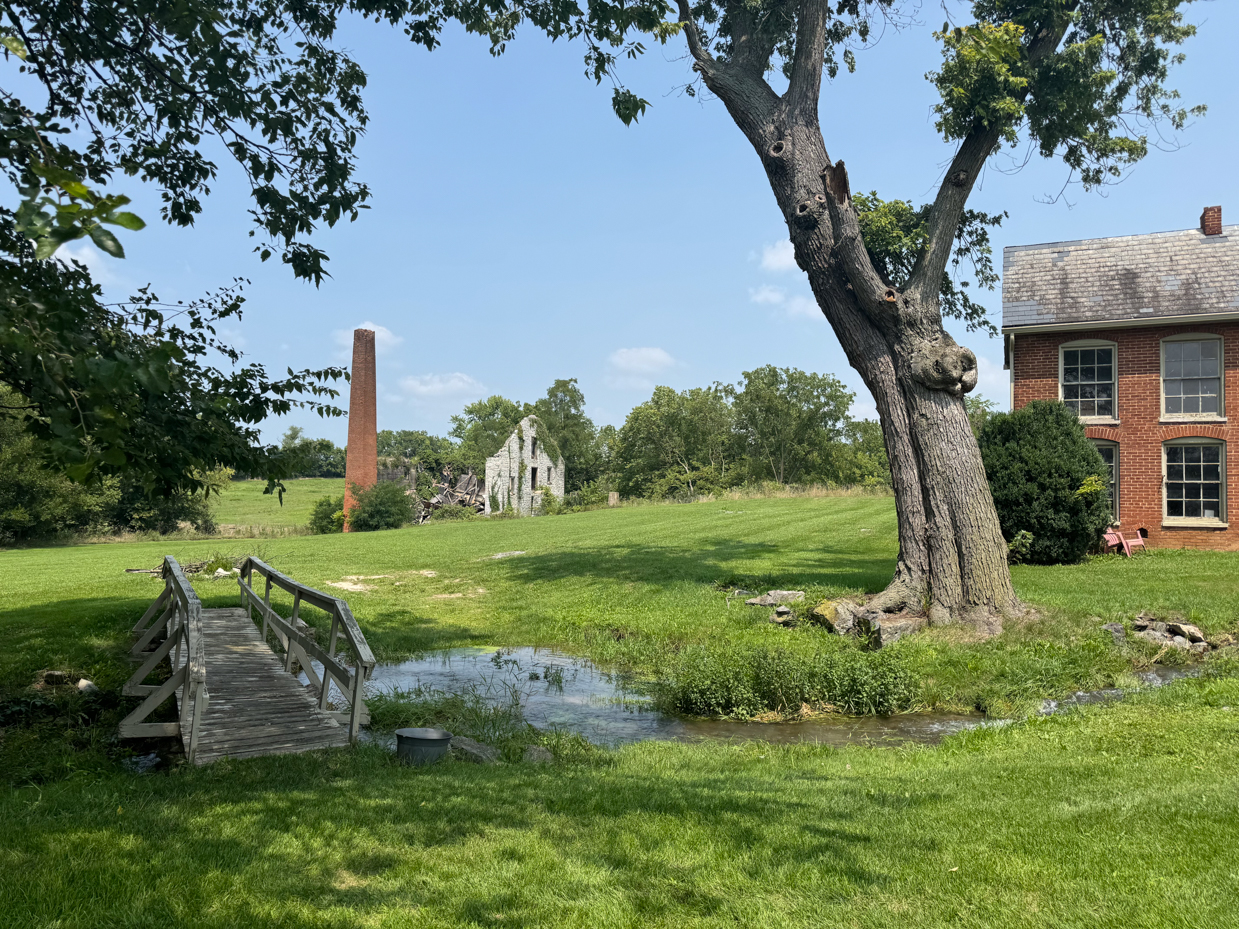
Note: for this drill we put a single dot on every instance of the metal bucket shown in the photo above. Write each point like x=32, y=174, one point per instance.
x=422, y=746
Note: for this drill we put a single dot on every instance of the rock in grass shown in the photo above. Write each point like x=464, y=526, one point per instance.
x=1223, y=640
x=55, y=678
x=1154, y=636
x=87, y=687
x=536, y=754
x=466, y=749
x=839, y=616
x=1187, y=630
x=775, y=597
x=1117, y=631
x=882, y=628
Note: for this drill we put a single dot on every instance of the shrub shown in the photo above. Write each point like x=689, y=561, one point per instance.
x=386, y=505
x=743, y=683
x=1047, y=479
x=456, y=512
x=327, y=515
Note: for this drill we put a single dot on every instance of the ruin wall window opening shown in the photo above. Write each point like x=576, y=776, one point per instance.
x=1088, y=379
x=533, y=448
x=1195, y=481
x=1192, y=377
x=533, y=478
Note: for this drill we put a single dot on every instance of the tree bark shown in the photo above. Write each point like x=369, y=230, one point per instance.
x=952, y=557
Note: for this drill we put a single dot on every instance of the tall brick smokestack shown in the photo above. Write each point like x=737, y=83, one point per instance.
x=362, y=467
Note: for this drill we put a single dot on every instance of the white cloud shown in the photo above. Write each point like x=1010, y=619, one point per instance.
x=102, y=268
x=804, y=307
x=767, y=293
x=385, y=340
x=456, y=384
x=634, y=368
x=778, y=257
x=794, y=307
x=233, y=337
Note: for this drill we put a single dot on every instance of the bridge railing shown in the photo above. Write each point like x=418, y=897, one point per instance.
x=300, y=644
x=176, y=616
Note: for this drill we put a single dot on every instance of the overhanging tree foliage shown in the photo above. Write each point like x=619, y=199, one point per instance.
x=95, y=92
x=1081, y=79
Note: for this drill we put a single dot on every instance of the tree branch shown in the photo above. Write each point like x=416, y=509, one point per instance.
x=748, y=98
x=806, y=79
x=943, y=223
x=876, y=298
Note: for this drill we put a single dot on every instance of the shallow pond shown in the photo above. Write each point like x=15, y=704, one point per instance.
x=567, y=692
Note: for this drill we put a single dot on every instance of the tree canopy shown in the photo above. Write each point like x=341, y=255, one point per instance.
x=158, y=92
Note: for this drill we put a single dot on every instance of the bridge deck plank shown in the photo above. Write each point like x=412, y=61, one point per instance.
x=256, y=707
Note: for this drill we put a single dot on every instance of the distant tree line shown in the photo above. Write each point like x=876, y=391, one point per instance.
x=781, y=425
x=778, y=425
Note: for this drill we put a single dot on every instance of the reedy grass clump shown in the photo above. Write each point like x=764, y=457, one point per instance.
x=743, y=683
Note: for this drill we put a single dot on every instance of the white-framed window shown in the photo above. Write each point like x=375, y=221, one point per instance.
x=1110, y=455
x=1195, y=480
x=1192, y=377
x=1087, y=378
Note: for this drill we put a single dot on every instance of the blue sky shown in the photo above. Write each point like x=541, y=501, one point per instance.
x=520, y=233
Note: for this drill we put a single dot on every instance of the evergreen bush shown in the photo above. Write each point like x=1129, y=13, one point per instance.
x=386, y=505
x=327, y=515
x=1047, y=479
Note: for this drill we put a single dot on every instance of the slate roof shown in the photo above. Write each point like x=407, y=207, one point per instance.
x=1133, y=277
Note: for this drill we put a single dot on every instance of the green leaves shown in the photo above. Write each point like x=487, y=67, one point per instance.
x=895, y=233
x=627, y=105
x=983, y=80
x=74, y=213
x=14, y=45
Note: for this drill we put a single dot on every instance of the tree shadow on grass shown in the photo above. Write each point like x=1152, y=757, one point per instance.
x=293, y=837
x=79, y=634
x=709, y=562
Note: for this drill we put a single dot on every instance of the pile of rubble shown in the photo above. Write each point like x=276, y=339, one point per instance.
x=1174, y=633
x=842, y=617
x=468, y=491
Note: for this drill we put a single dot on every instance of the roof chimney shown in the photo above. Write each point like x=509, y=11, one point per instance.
x=1211, y=220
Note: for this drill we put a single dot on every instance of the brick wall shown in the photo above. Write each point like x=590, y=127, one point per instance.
x=1139, y=431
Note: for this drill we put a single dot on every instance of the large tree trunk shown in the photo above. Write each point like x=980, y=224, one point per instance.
x=952, y=557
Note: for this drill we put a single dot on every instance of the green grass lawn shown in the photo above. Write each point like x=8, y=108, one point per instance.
x=243, y=503
x=634, y=586
x=1125, y=815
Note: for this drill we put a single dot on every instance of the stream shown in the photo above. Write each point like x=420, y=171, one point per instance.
x=561, y=691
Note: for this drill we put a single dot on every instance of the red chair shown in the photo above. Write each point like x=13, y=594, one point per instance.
x=1111, y=541
x=1136, y=541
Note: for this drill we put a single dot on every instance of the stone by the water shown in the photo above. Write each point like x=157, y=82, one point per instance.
x=1187, y=630
x=536, y=754
x=466, y=749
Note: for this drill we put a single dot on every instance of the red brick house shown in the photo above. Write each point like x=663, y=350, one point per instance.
x=1140, y=336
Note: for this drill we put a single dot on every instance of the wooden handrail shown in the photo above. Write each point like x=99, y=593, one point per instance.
x=304, y=648
x=183, y=644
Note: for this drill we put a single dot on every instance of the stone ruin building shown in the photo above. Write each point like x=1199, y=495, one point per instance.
x=518, y=473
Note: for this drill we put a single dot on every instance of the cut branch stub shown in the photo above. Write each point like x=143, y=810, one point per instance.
x=835, y=177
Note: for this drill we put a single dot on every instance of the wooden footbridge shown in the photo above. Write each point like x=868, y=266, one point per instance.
x=233, y=677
